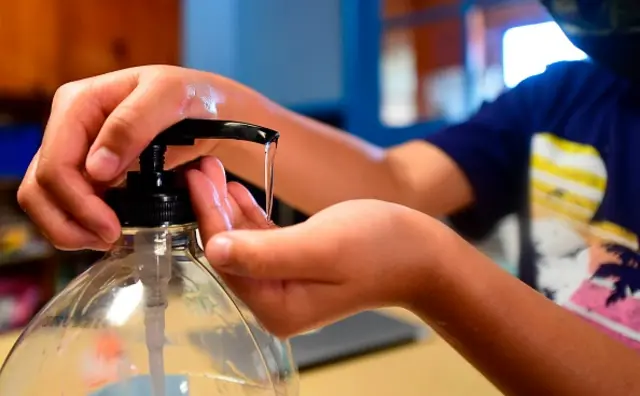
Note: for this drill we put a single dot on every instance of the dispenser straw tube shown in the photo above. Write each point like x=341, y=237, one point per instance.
x=152, y=250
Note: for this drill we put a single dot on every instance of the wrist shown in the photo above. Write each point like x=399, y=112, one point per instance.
x=437, y=267
x=240, y=103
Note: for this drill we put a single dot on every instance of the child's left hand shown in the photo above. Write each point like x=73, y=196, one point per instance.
x=349, y=257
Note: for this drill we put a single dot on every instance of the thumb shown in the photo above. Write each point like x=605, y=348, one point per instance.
x=132, y=125
x=289, y=253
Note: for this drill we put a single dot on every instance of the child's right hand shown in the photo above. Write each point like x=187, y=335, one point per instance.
x=97, y=129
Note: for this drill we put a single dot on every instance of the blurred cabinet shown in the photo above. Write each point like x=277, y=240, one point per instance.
x=45, y=43
x=28, y=46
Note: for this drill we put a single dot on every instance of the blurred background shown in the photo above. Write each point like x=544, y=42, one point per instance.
x=385, y=70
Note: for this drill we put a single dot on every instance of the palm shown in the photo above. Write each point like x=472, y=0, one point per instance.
x=243, y=210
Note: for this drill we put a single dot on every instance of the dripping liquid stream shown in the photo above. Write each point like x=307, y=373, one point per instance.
x=269, y=161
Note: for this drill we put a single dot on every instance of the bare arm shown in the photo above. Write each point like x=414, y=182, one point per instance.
x=523, y=342
x=99, y=126
x=318, y=165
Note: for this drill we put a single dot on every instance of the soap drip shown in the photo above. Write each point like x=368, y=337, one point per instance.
x=270, y=149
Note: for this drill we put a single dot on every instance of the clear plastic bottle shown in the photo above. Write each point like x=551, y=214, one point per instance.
x=151, y=317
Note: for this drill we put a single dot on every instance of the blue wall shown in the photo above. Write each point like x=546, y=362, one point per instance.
x=209, y=40
x=289, y=50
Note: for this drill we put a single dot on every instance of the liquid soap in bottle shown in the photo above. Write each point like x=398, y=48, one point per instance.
x=151, y=318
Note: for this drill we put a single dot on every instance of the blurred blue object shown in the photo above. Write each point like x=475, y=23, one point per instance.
x=18, y=145
x=175, y=385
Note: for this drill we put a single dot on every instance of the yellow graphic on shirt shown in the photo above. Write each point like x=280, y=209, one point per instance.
x=568, y=183
x=577, y=258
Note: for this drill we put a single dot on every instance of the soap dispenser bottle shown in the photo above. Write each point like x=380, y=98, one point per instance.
x=151, y=317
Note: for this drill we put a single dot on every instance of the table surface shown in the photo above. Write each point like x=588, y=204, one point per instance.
x=428, y=367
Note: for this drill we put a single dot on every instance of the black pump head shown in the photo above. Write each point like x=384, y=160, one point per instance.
x=155, y=197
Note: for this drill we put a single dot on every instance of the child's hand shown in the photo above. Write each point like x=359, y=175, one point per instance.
x=352, y=256
x=97, y=129
x=222, y=206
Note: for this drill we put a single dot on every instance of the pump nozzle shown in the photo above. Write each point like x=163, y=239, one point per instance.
x=186, y=132
x=154, y=196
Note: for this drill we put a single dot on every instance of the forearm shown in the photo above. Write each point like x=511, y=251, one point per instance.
x=523, y=342
x=316, y=165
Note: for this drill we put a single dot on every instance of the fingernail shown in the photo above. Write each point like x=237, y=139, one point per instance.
x=216, y=195
x=103, y=164
x=111, y=235
x=223, y=211
x=98, y=245
x=218, y=251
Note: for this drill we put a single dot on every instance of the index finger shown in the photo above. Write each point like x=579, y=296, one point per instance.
x=78, y=111
x=208, y=203
x=162, y=98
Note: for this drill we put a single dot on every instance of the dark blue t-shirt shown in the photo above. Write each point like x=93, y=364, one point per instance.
x=560, y=150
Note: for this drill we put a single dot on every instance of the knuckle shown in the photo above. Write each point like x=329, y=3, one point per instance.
x=164, y=75
x=174, y=83
x=68, y=91
x=45, y=175
x=23, y=196
x=123, y=131
x=123, y=120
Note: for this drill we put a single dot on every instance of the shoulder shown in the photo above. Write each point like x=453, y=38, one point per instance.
x=579, y=76
x=564, y=88
x=562, y=81
x=576, y=70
